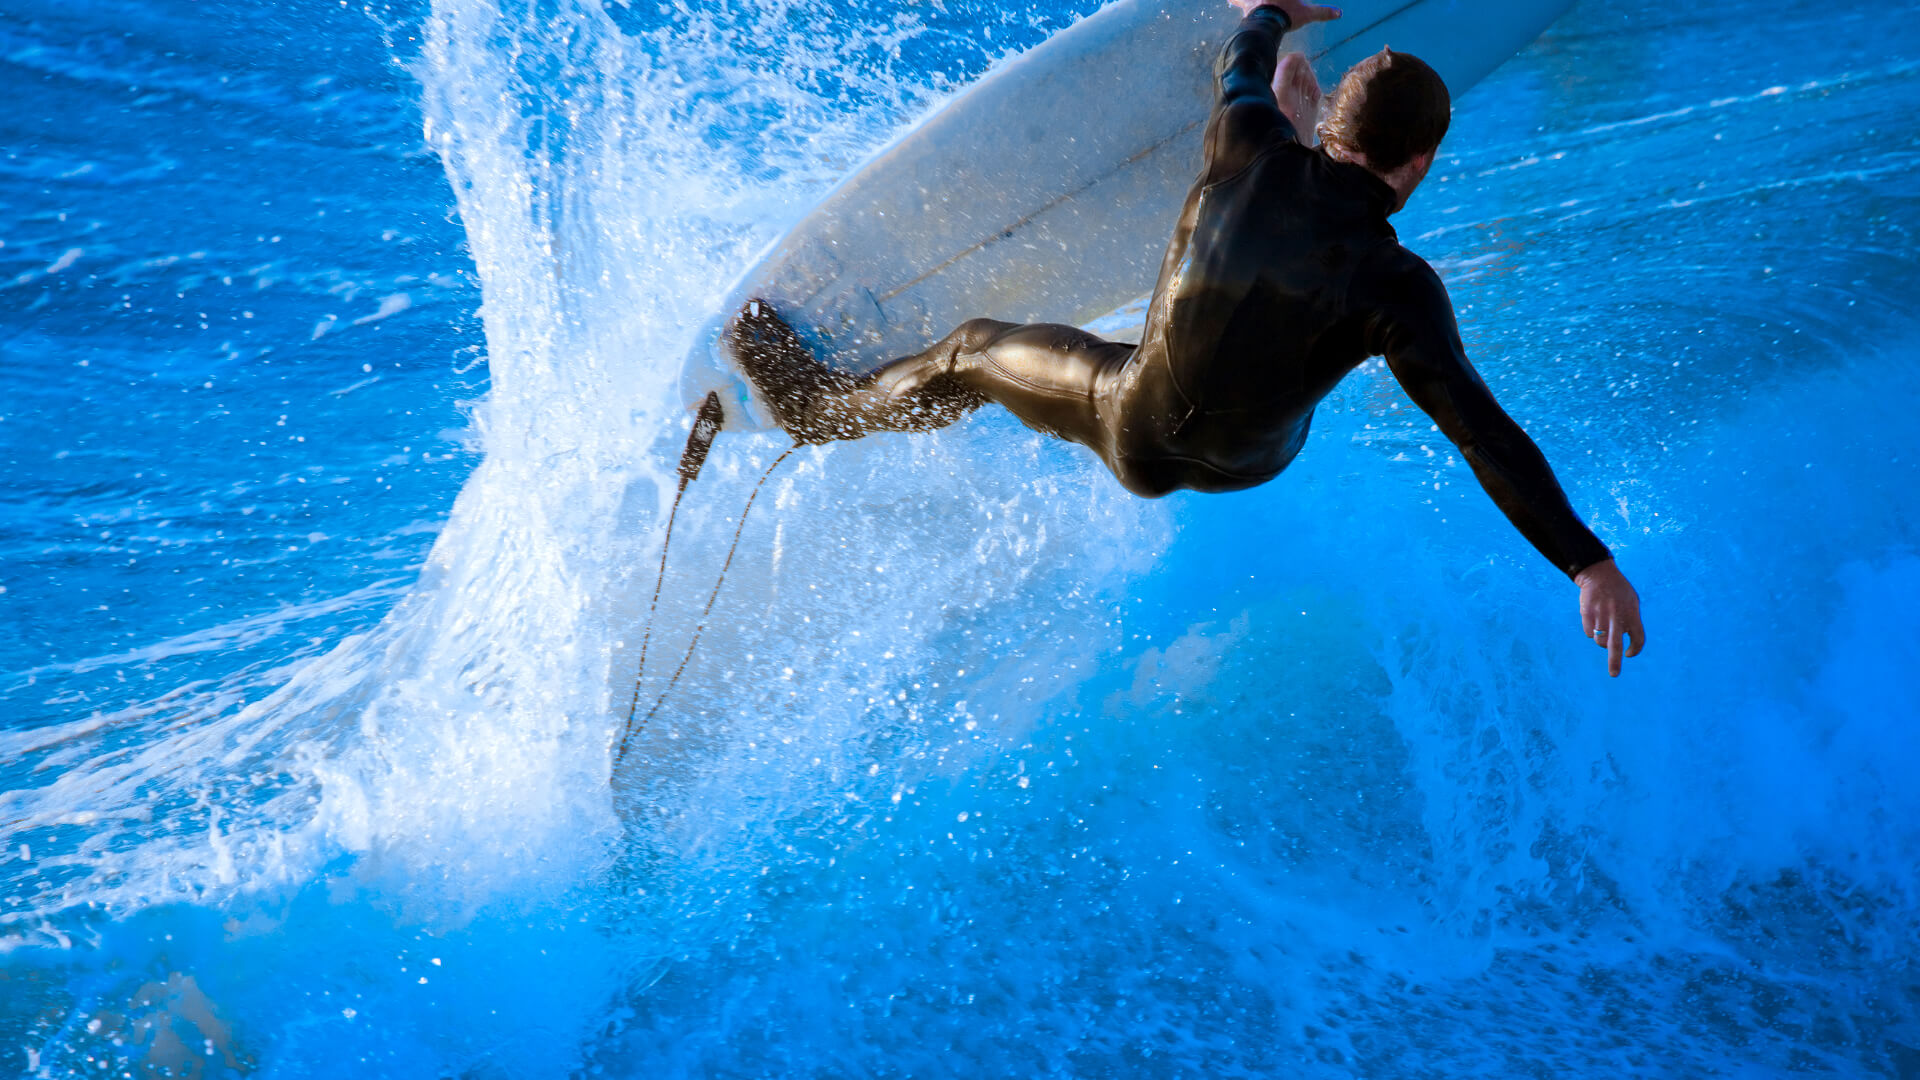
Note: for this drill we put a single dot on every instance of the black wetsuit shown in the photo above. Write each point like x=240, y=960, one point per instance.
x=1282, y=276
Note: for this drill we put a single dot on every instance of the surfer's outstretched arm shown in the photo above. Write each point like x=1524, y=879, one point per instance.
x=1416, y=331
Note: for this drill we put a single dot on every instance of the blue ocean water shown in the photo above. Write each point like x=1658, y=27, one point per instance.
x=339, y=418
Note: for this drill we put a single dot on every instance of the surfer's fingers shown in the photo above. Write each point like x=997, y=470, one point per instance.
x=1299, y=14
x=1639, y=635
x=1590, y=619
x=1613, y=649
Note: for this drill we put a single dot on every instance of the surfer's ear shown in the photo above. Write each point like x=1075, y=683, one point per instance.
x=1421, y=163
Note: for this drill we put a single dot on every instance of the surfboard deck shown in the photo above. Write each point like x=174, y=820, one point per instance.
x=1046, y=191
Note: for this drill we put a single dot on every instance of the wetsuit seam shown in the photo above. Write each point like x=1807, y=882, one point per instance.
x=1163, y=357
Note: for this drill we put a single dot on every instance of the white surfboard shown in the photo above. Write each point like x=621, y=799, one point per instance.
x=1046, y=191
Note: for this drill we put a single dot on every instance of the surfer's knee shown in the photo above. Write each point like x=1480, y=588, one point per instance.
x=976, y=334
x=945, y=358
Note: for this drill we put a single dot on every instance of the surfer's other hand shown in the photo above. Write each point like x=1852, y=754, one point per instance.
x=1610, y=612
x=1297, y=13
x=1297, y=90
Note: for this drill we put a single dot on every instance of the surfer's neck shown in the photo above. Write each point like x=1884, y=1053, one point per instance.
x=1402, y=180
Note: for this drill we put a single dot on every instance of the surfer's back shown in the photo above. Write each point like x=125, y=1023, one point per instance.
x=1263, y=287
x=1255, y=317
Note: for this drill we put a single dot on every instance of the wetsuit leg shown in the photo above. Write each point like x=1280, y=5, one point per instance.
x=1116, y=399
x=1062, y=381
x=1057, y=379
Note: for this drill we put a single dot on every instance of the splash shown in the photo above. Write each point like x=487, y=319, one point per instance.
x=982, y=761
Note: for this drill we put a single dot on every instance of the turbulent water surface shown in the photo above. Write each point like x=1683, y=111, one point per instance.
x=339, y=414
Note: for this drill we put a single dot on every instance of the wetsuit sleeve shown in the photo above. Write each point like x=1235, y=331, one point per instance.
x=1415, y=330
x=1246, y=118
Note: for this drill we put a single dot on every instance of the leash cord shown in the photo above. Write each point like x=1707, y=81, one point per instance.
x=659, y=580
x=632, y=729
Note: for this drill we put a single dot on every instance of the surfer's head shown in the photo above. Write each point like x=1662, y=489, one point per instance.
x=1389, y=113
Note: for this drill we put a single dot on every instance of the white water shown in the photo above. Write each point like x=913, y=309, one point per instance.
x=984, y=761
x=460, y=750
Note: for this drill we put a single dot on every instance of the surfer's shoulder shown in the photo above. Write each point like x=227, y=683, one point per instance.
x=1388, y=276
x=1284, y=154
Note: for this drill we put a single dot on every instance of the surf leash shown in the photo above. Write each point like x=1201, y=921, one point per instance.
x=706, y=425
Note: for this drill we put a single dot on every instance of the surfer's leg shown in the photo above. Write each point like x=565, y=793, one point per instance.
x=817, y=403
x=1055, y=378
x=909, y=374
x=1046, y=374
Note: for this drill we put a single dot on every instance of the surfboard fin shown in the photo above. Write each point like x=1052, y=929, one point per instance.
x=706, y=425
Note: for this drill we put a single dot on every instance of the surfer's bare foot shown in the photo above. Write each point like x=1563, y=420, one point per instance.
x=816, y=403
x=782, y=368
x=1297, y=90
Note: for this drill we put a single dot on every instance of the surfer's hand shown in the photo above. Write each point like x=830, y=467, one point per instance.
x=1610, y=612
x=1297, y=91
x=1297, y=13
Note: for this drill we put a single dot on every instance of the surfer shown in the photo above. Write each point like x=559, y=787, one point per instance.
x=1282, y=276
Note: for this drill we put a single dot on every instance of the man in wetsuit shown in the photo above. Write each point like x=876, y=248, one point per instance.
x=1282, y=276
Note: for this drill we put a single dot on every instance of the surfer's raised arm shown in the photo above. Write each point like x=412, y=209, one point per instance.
x=1246, y=117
